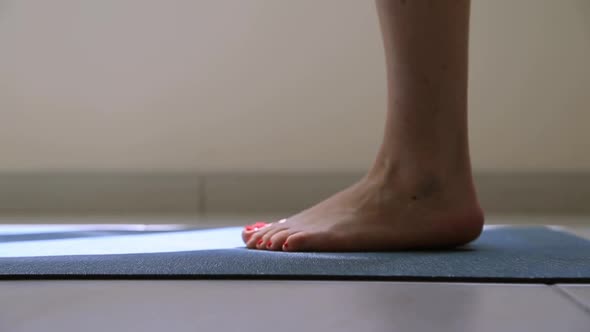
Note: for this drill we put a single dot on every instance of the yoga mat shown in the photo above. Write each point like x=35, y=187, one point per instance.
x=501, y=254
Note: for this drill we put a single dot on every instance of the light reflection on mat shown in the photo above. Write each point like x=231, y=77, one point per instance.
x=219, y=238
x=14, y=229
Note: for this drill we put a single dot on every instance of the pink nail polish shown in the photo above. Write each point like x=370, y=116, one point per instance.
x=259, y=242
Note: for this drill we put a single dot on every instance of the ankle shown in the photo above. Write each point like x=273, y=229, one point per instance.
x=420, y=180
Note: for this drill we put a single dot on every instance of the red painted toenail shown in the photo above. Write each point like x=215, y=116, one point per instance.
x=259, y=242
x=249, y=228
x=259, y=224
x=269, y=244
x=286, y=245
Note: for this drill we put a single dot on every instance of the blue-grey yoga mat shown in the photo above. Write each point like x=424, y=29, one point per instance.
x=505, y=254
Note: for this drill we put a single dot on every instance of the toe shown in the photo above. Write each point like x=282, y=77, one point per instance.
x=246, y=234
x=262, y=242
x=304, y=241
x=267, y=241
x=250, y=230
x=255, y=239
x=278, y=239
x=296, y=242
x=251, y=243
x=260, y=238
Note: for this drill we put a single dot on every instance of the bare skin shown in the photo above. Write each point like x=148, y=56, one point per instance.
x=420, y=192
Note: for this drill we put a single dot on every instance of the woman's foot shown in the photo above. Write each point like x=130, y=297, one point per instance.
x=380, y=213
x=420, y=192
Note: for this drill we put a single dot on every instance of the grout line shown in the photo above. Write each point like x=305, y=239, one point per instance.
x=572, y=298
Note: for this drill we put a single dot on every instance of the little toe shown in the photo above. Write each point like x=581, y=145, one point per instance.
x=304, y=241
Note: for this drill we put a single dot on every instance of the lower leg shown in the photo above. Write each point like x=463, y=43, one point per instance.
x=419, y=193
x=426, y=47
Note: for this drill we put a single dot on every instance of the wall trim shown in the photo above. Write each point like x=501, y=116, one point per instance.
x=554, y=193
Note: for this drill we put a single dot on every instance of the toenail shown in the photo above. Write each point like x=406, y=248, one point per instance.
x=258, y=224
x=269, y=244
x=259, y=242
x=286, y=245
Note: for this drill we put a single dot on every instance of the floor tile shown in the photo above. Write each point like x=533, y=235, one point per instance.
x=284, y=305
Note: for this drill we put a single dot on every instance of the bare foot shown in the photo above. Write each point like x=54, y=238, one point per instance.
x=377, y=215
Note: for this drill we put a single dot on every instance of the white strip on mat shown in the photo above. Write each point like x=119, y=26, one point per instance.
x=210, y=239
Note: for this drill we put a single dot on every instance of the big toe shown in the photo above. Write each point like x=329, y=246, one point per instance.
x=250, y=230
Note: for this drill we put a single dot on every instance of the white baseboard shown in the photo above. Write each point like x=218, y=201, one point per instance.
x=206, y=194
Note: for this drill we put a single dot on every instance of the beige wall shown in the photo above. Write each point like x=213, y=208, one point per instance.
x=269, y=84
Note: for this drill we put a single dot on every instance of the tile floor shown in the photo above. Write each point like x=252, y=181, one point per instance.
x=284, y=306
